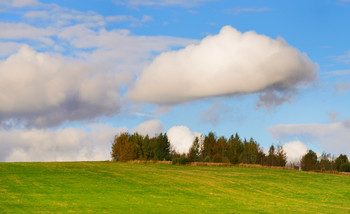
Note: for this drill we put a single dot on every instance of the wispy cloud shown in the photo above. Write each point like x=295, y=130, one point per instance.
x=345, y=58
x=342, y=87
x=340, y=72
x=333, y=116
x=162, y=3
x=18, y=3
x=238, y=10
x=213, y=114
x=134, y=22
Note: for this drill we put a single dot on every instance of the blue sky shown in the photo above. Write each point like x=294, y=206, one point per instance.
x=88, y=70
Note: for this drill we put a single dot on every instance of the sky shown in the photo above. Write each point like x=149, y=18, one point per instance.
x=73, y=74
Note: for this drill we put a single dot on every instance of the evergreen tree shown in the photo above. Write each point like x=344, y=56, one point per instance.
x=271, y=157
x=326, y=162
x=250, y=151
x=163, y=149
x=281, y=157
x=340, y=160
x=208, y=145
x=309, y=161
x=194, y=151
x=235, y=149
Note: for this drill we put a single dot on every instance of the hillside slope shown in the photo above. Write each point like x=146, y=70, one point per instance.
x=110, y=187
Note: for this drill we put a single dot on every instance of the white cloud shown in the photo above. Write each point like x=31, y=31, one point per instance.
x=332, y=137
x=225, y=64
x=18, y=3
x=150, y=128
x=181, y=138
x=238, y=10
x=15, y=31
x=47, y=89
x=40, y=89
x=294, y=150
x=147, y=18
x=118, y=47
x=68, y=144
x=8, y=48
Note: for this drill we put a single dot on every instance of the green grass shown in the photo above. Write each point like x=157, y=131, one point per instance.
x=110, y=187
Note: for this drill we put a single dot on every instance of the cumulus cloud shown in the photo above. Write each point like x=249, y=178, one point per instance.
x=150, y=128
x=294, y=150
x=181, y=138
x=332, y=137
x=8, y=48
x=42, y=90
x=229, y=63
x=66, y=144
x=80, y=76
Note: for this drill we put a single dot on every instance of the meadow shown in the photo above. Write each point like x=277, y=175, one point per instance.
x=115, y=187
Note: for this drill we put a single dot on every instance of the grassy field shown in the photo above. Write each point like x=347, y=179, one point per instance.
x=110, y=187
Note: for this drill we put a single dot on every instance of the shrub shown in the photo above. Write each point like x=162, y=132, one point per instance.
x=180, y=160
x=345, y=167
x=207, y=159
x=217, y=158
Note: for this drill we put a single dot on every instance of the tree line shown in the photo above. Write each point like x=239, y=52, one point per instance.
x=211, y=148
x=208, y=148
x=326, y=162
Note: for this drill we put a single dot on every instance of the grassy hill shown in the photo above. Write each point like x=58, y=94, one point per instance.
x=110, y=187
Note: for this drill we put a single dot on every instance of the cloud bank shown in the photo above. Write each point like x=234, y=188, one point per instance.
x=91, y=142
x=66, y=144
x=225, y=64
x=332, y=137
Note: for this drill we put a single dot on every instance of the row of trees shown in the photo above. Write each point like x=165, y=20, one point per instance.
x=325, y=163
x=209, y=148
x=137, y=147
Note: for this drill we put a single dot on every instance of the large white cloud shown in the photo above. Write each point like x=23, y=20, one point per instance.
x=332, y=137
x=225, y=64
x=181, y=138
x=150, y=128
x=40, y=89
